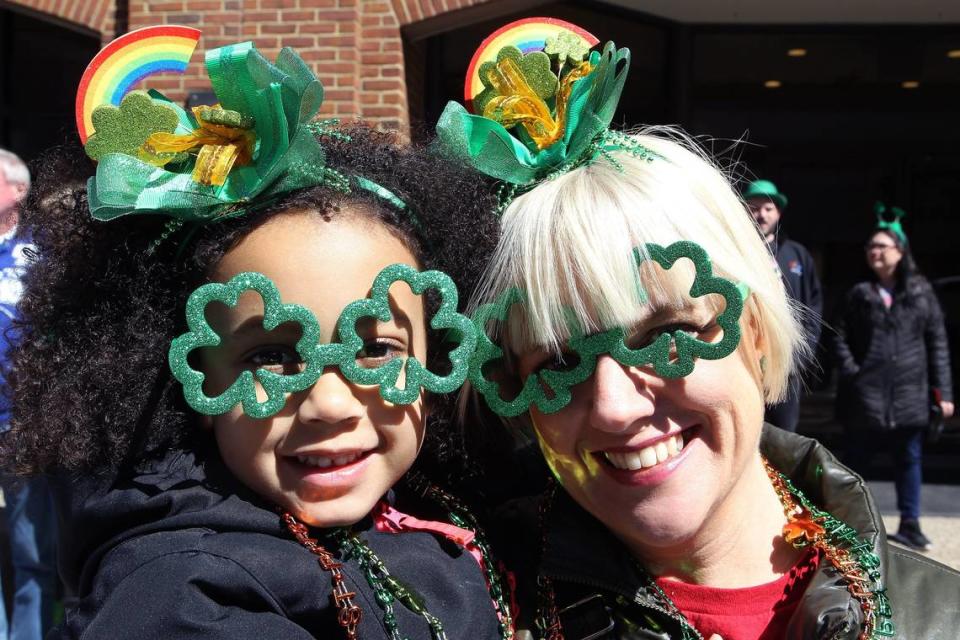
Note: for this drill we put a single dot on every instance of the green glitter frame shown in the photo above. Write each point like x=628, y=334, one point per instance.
x=243, y=390
x=613, y=342
x=317, y=356
x=532, y=393
x=459, y=326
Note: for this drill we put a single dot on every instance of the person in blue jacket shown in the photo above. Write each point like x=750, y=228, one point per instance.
x=767, y=204
x=30, y=514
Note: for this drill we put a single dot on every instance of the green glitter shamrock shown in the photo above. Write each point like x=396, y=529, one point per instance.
x=534, y=390
x=124, y=129
x=588, y=348
x=534, y=66
x=566, y=48
x=244, y=390
x=688, y=348
x=416, y=375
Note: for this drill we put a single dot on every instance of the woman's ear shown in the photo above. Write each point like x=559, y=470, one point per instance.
x=753, y=342
x=757, y=334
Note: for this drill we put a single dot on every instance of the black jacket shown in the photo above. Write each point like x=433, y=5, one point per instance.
x=889, y=359
x=597, y=582
x=183, y=551
x=800, y=278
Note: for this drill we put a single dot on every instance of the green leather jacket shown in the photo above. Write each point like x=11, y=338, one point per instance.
x=602, y=595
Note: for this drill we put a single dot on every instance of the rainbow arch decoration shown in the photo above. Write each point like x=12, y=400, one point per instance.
x=528, y=35
x=126, y=61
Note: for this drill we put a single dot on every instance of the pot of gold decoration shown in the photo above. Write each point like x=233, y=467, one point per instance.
x=542, y=101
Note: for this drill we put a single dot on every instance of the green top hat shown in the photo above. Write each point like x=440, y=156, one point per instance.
x=765, y=189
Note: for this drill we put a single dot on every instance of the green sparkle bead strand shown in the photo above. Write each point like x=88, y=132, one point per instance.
x=380, y=579
x=844, y=536
x=460, y=516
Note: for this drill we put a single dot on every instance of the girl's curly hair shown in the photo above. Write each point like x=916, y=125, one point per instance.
x=89, y=380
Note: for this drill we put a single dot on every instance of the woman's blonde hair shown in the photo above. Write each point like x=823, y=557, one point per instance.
x=569, y=244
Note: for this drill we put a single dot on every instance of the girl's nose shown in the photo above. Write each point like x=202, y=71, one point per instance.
x=331, y=400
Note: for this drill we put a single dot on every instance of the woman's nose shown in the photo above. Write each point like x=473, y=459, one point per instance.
x=621, y=395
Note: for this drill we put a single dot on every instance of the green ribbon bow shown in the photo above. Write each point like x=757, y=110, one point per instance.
x=893, y=226
x=281, y=99
x=491, y=149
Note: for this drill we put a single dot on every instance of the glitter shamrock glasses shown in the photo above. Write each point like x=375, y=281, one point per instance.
x=671, y=354
x=315, y=356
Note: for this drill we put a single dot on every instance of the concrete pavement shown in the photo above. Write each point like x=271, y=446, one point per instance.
x=940, y=520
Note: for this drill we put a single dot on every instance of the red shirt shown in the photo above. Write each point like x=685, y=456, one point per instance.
x=750, y=613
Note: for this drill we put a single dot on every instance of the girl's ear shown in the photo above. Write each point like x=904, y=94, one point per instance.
x=428, y=404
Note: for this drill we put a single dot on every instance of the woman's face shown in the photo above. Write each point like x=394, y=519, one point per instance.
x=655, y=458
x=335, y=448
x=883, y=255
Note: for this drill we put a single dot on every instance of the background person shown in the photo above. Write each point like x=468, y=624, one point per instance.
x=891, y=351
x=30, y=513
x=766, y=204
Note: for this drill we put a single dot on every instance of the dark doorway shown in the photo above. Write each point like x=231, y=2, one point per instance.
x=837, y=132
x=40, y=67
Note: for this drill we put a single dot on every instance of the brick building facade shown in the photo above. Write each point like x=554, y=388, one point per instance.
x=357, y=47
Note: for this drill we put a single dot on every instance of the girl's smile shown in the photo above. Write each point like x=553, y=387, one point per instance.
x=336, y=448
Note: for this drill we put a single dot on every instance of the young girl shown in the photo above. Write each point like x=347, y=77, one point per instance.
x=229, y=524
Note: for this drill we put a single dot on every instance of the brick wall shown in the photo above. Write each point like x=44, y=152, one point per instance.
x=355, y=46
x=97, y=15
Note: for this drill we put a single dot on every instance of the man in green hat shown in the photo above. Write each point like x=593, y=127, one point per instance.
x=766, y=205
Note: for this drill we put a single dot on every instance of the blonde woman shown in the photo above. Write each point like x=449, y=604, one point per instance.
x=635, y=325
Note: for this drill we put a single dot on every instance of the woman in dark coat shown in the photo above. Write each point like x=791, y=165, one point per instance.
x=891, y=350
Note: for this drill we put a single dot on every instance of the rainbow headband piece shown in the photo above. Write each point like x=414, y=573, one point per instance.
x=672, y=354
x=315, y=356
x=154, y=157
x=126, y=61
x=891, y=225
x=541, y=103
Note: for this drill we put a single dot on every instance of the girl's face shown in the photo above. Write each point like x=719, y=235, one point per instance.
x=335, y=448
x=883, y=256
x=652, y=458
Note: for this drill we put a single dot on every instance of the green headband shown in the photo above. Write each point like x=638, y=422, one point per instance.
x=315, y=356
x=890, y=225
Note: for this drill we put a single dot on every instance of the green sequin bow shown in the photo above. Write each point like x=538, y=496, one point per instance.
x=314, y=356
x=155, y=157
x=893, y=225
x=672, y=354
x=516, y=146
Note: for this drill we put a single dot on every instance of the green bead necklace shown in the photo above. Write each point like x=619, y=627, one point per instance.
x=807, y=525
x=387, y=588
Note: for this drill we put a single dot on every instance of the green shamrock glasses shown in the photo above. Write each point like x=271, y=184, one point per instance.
x=672, y=354
x=315, y=356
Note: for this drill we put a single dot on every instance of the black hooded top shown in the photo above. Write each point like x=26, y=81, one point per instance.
x=180, y=549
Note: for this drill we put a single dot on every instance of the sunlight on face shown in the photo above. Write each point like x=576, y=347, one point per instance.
x=655, y=458
x=335, y=448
